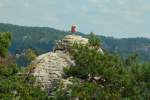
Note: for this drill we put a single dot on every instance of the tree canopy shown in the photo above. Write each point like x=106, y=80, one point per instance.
x=5, y=40
x=15, y=85
x=14, y=82
x=95, y=76
x=106, y=76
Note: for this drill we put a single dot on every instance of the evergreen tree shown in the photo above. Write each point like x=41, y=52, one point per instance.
x=14, y=85
x=104, y=77
x=5, y=39
x=30, y=55
x=94, y=40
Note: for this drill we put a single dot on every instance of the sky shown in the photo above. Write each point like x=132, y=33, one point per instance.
x=117, y=18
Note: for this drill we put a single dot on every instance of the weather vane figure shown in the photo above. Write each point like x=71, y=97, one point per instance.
x=73, y=29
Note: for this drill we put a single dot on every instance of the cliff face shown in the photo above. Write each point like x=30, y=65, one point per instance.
x=48, y=68
x=69, y=40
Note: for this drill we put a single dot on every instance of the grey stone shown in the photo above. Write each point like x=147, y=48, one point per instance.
x=48, y=67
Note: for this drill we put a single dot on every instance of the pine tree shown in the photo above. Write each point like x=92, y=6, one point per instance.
x=5, y=39
x=104, y=77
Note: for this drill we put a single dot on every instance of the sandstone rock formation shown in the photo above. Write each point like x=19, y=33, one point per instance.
x=48, y=68
x=69, y=40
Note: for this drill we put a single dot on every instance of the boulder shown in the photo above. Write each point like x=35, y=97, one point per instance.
x=48, y=68
x=68, y=41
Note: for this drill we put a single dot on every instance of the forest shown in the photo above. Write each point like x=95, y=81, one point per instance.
x=42, y=40
x=95, y=76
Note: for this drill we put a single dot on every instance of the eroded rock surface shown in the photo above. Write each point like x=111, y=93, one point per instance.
x=48, y=68
x=69, y=40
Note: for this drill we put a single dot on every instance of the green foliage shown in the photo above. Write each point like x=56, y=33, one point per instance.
x=26, y=57
x=36, y=38
x=14, y=85
x=94, y=40
x=106, y=76
x=84, y=59
x=43, y=39
x=30, y=55
x=127, y=46
x=131, y=60
x=90, y=91
x=5, y=39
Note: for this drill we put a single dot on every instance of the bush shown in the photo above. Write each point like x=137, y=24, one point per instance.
x=105, y=77
x=16, y=86
x=5, y=39
x=94, y=40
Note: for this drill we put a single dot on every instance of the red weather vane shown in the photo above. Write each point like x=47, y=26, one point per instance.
x=73, y=29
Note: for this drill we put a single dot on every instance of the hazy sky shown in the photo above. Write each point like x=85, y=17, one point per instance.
x=118, y=18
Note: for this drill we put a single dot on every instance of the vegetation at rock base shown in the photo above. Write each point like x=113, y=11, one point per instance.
x=94, y=40
x=105, y=77
x=14, y=83
x=14, y=86
x=95, y=76
x=30, y=55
